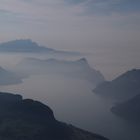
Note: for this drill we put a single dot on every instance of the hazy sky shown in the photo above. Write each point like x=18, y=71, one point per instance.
x=72, y=24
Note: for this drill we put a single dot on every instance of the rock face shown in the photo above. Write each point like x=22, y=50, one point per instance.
x=76, y=69
x=129, y=110
x=26, y=119
x=122, y=88
x=8, y=77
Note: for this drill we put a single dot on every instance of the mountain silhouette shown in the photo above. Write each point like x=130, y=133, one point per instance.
x=26, y=119
x=76, y=69
x=28, y=46
x=123, y=87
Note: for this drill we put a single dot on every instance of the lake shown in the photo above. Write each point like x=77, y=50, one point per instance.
x=72, y=100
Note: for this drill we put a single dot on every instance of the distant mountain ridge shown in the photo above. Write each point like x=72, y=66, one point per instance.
x=26, y=119
x=123, y=87
x=23, y=45
x=28, y=46
x=76, y=69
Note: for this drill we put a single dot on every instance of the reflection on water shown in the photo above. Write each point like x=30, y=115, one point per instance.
x=72, y=100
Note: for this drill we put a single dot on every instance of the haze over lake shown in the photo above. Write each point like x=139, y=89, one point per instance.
x=72, y=99
x=62, y=51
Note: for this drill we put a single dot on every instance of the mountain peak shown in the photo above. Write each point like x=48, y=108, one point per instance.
x=20, y=41
x=23, y=45
x=78, y=69
x=82, y=60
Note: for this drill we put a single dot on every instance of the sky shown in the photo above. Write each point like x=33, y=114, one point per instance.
x=72, y=24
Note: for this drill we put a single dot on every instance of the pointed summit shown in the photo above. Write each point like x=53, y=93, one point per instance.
x=84, y=60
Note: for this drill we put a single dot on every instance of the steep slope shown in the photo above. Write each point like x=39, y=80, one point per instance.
x=129, y=109
x=26, y=119
x=124, y=87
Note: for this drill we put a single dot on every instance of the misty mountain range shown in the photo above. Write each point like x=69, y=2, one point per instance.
x=76, y=69
x=123, y=87
x=28, y=46
x=26, y=119
x=126, y=90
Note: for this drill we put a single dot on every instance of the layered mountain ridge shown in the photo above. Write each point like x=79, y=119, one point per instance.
x=123, y=87
x=76, y=69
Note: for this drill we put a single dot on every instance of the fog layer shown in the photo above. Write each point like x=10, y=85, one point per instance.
x=72, y=100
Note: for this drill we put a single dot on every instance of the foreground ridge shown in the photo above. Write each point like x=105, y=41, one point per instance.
x=26, y=119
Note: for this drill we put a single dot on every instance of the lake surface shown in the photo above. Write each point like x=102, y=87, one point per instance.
x=73, y=101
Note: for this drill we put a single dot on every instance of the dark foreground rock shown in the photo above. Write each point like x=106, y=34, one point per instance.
x=26, y=119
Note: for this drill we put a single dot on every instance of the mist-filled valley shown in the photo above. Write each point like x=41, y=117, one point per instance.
x=69, y=70
x=66, y=82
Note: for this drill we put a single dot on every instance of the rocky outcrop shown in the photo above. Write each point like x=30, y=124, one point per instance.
x=26, y=119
